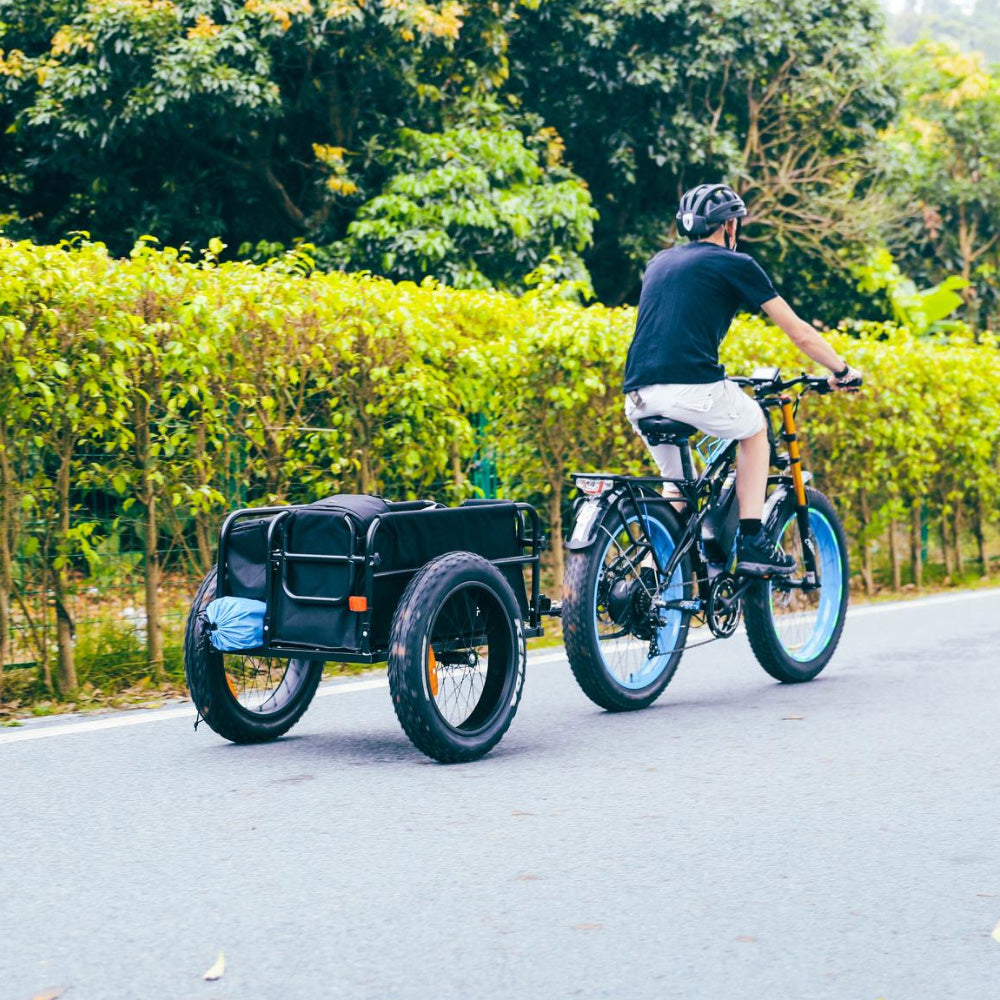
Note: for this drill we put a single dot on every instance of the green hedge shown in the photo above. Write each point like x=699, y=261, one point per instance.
x=173, y=389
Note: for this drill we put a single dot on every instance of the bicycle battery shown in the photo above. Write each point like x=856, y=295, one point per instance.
x=718, y=530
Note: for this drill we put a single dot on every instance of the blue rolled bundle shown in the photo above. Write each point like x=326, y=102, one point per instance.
x=235, y=623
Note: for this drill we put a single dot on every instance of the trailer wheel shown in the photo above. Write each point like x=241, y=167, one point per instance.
x=244, y=697
x=456, y=658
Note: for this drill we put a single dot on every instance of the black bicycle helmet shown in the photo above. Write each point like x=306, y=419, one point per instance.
x=704, y=208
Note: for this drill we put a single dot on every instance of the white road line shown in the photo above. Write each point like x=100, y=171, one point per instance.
x=142, y=716
x=922, y=602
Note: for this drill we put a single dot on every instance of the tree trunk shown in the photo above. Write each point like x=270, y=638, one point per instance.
x=457, y=475
x=980, y=530
x=367, y=477
x=867, y=572
x=916, y=547
x=956, y=539
x=894, y=556
x=60, y=584
x=555, y=536
x=6, y=560
x=203, y=533
x=945, y=547
x=154, y=627
x=40, y=629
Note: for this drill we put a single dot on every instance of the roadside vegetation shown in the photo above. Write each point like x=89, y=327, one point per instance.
x=267, y=250
x=141, y=399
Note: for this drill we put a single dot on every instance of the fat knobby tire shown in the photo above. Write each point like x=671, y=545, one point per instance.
x=764, y=641
x=210, y=692
x=580, y=626
x=410, y=636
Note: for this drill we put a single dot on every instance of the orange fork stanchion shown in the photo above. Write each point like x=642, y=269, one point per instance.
x=791, y=439
x=795, y=457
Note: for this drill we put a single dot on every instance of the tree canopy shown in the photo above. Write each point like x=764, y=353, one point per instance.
x=473, y=141
x=654, y=97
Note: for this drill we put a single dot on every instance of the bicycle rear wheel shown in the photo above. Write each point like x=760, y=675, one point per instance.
x=607, y=594
x=794, y=632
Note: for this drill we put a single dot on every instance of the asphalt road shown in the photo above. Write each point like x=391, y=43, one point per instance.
x=739, y=839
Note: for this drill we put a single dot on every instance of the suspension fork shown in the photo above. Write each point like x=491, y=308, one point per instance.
x=791, y=439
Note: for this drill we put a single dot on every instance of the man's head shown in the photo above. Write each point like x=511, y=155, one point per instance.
x=707, y=208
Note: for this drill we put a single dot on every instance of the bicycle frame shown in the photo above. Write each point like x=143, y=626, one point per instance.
x=631, y=493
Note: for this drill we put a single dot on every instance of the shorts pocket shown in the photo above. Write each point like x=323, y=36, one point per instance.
x=696, y=398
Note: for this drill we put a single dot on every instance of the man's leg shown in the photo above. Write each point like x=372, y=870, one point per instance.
x=753, y=459
x=757, y=555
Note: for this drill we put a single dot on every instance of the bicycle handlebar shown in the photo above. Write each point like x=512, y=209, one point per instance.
x=768, y=385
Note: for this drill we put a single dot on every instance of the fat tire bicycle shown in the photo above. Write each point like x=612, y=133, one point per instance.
x=639, y=569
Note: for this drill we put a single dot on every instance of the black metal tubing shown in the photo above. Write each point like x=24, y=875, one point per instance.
x=285, y=557
x=529, y=541
x=226, y=530
x=691, y=492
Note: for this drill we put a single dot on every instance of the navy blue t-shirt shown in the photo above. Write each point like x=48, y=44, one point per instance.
x=690, y=294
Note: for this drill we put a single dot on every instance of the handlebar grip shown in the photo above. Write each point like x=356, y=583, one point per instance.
x=852, y=383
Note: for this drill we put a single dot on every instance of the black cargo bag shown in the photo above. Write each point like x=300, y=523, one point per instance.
x=309, y=601
x=308, y=605
x=409, y=541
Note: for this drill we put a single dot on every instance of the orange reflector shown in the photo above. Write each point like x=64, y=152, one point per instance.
x=357, y=603
x=432, y=670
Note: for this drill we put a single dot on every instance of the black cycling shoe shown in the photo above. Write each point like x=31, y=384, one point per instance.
x=759, y=556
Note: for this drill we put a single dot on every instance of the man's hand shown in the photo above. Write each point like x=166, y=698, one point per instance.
x=850, y=381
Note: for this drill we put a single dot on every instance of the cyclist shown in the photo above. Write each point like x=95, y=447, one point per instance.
x=690, y=294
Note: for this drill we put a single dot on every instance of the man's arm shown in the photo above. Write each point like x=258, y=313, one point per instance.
x=802, y=335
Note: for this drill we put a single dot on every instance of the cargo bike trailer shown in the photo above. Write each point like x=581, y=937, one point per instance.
x=438, y=592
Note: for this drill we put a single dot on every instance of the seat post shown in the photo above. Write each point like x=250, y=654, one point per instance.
x=687, y=466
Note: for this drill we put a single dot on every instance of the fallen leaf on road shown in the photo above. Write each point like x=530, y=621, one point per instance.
x=526, y=878
x=792, y=718
x=50, y=994
x=217, y=969
x=996, y=932
x=747, y=939
x=588, y=927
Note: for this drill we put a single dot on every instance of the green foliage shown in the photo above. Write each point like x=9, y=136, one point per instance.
x=783, y=100
x=371, y=130
x=279, y=121
x=474, y=207
x=945, y=164
x=180, y=389
x=924, y=311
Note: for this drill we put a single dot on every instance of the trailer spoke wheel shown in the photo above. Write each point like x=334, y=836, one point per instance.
x=244, y=697
x=456, y=657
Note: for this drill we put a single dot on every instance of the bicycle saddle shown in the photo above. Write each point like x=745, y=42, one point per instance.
x=663, y=430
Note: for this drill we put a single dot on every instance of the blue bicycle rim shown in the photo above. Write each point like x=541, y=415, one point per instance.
x=628, y=662
x=813, y=628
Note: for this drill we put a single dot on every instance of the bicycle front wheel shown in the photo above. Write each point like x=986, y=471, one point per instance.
x=620, y=658
x=793, y=631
